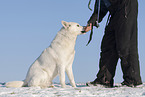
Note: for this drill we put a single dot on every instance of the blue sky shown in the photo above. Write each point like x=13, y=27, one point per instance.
x=27, y=27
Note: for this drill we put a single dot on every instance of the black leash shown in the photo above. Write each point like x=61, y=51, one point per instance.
x=89, y=5
x=97, y=22
x=91, y=34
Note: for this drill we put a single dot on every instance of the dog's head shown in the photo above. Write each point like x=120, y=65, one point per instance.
x=73, y=27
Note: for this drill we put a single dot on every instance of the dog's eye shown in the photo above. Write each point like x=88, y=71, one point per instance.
x=78, y=25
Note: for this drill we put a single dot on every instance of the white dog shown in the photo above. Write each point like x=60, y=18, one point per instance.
x=54, y=60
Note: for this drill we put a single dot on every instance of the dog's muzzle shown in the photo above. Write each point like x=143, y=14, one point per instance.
x=83, y=31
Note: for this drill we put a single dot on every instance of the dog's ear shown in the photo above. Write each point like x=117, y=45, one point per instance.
x=65, y=24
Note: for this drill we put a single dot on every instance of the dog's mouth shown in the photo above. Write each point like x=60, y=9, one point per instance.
x=83, y=30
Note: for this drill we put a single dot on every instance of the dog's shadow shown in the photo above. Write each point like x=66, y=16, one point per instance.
x=78, y=84
x=69, y=85
x=56, y=84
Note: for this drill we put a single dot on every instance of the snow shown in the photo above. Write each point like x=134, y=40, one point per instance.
x=81, y=90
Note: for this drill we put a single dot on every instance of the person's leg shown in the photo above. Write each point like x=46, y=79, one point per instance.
x=108, y=59
x=126, y=35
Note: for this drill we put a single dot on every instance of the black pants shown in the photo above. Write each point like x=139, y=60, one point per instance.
x=120, y=41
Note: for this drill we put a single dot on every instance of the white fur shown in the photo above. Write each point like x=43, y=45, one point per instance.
x=54, y=60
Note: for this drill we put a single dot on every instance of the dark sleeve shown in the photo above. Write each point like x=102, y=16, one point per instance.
x=103, y=12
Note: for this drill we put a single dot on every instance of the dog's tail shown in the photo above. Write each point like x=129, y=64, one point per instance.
x=15, y=84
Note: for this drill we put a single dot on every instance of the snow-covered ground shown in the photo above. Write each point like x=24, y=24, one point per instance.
x=81, y=90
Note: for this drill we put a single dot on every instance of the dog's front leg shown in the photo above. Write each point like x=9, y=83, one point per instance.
x=61, y=71
x=70, y=76
x=69, y=70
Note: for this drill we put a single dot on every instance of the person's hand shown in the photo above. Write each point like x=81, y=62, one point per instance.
x=88, y=27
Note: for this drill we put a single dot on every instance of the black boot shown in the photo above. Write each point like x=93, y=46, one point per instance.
x=131, y=84
x=97, y=82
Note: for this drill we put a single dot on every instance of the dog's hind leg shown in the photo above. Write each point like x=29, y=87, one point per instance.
x=39, y=80
x=34, y=82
